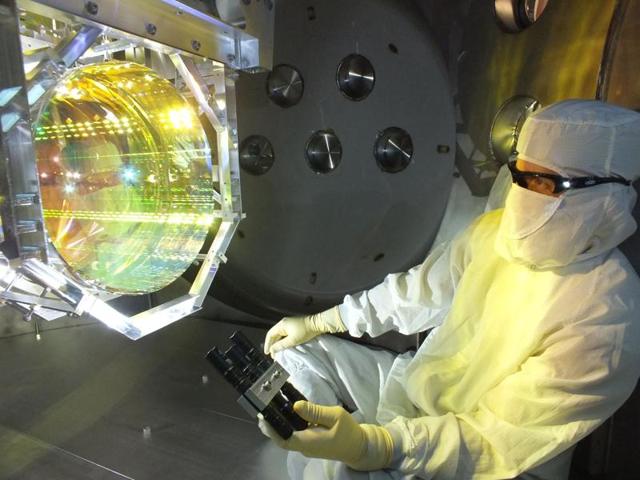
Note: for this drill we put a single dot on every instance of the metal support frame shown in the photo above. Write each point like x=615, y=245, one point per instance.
x=49, y=70
x=20, y=207
x=225, y=123
x=175, y=25
x=36, y=284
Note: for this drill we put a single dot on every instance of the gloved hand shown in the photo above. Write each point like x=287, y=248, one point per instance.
x=337, y=436
x=292, y=331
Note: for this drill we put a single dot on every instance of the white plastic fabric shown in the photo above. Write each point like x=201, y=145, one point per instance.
x=499, y=190
x=582, y=138
x=331, y=371
x=573, y=138
x=522, y=365
x=547, y=232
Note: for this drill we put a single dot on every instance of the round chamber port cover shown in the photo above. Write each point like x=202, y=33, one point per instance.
x=256, y=155
x=323, y=151
x=356, y=77
x=513, y=16
x=285, y=86
x=507, y=124
x=125, y=175
x=393, y=150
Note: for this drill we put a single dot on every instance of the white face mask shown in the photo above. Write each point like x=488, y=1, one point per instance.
x=547, y=232
x=526, y=212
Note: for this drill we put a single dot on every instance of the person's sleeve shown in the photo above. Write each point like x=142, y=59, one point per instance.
x=409, y=302
x=558, y=396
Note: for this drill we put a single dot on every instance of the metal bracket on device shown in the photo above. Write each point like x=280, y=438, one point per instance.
x=259, y=396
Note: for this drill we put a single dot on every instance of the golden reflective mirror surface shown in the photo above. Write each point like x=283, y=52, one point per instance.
x=125, y=176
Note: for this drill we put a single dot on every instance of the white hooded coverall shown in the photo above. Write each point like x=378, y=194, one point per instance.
x=526, y=357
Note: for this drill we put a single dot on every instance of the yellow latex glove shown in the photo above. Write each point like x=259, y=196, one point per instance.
x=292, y=331
x=336, y=436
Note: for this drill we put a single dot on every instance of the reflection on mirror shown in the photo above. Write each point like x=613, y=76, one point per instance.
x=125, y=175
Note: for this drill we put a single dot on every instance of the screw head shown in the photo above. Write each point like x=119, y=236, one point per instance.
x=195, y=44
x=91, y=8
x=151, y=28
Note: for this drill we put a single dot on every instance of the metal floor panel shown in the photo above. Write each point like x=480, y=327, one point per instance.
x=74, y=406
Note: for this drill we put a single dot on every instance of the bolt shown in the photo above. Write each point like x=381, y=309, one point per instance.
x=195, y=44
x=266, y=386
x=151, y=28
x=60, y=67
x=91, y=8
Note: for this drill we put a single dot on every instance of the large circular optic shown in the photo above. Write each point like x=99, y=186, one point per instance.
x=125, y=177
x=516, y=15
x=285, y=86
x=356, y=77
x=256, y=155
x=507, y=125
x=323, y=151
x=393, y=150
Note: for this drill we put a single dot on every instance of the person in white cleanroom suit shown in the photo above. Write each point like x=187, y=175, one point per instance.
x=536, y=339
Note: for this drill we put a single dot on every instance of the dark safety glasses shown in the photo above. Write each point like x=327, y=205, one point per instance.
x=548, y=182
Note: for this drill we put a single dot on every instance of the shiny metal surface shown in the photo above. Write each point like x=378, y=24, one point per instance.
x=255, y=18
x=356, y=77
x=507, y=125
x=507, y=15
x=55, y=281
x=256, y=155
x=323, y=151
x=85, y=403
x=267, y=386
x=516, y=15
x=310, y=238
x=46, y=73
x=224, y=120
x=393, y=149
x=18, y=177
x=285, y=86
x=165, y=22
